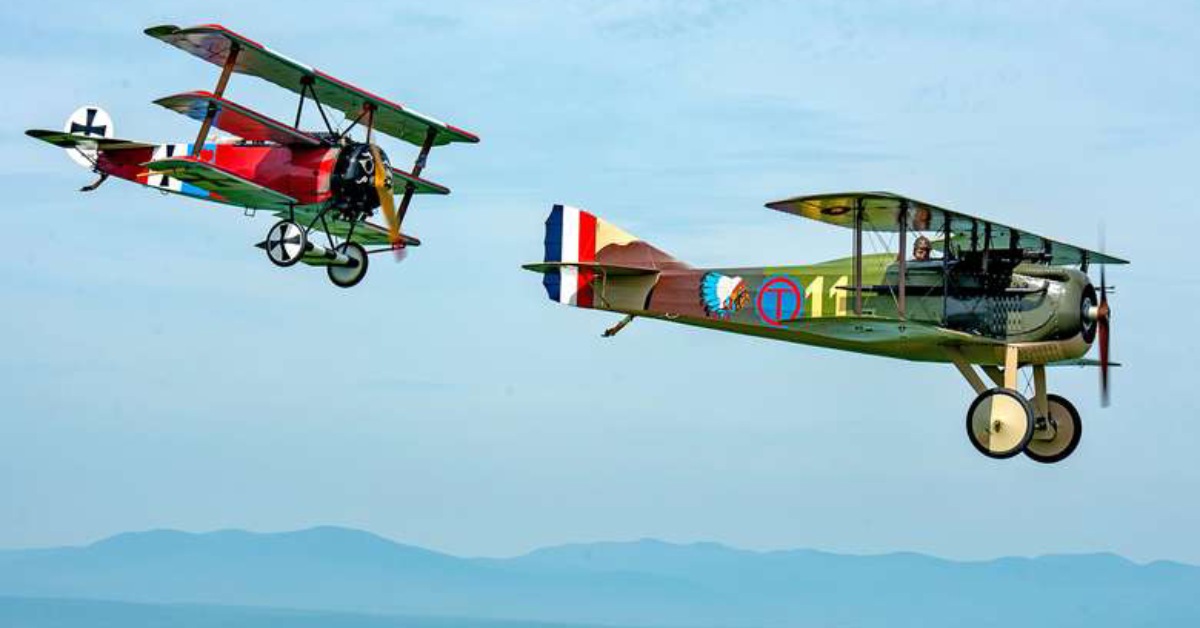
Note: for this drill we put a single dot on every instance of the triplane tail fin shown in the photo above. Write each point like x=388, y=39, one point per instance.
x=88, y=131
x=582, y=248
x=88, y=121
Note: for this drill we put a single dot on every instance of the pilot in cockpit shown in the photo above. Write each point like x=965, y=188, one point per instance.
x=921, y=249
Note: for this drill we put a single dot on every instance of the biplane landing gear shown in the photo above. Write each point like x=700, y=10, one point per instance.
x=348, y=275
x=1000, y=423
x=286, y=243
x=1057, y=435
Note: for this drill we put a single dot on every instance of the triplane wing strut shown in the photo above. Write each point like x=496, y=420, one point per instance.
x=216, y=44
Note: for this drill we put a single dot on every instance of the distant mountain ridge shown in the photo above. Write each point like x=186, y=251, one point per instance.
x=642, y=583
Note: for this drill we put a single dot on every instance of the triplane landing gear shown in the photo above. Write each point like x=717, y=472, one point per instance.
x=288, y=242
x=1002, y=423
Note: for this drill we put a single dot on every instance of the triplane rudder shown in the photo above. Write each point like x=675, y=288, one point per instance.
x=985, y=297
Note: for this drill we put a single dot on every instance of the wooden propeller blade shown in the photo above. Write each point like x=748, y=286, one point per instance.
x=387, y=203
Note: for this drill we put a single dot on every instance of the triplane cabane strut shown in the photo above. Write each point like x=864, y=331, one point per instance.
x=997, y=298
x=312, y=181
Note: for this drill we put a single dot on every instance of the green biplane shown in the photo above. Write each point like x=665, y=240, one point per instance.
x=996, y=298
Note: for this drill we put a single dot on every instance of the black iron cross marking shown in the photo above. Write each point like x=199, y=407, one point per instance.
x=89, y=128
x=166, y=181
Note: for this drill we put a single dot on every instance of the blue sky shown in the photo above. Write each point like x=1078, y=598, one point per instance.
x=158, y=372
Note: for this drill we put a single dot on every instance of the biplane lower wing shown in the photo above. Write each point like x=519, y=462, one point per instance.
x=224, y=186
x=73, y=140
x=237, y=119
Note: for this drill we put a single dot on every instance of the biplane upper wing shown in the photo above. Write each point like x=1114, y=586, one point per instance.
x=881, y=212
x=224, y=186
x=74, y=140
x=213, y=43
x=236, y=119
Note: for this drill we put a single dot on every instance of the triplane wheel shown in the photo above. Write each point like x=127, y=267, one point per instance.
x=1066, y=428
x=1000, y=423
x=286, y=243
x=350, y=275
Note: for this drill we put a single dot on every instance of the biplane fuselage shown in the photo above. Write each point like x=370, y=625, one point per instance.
x=813, y=304
x=997, y=298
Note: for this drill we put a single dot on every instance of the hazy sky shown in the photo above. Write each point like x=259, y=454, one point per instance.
x=157, y=371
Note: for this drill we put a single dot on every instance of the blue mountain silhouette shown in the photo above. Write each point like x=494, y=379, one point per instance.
x=642, y=583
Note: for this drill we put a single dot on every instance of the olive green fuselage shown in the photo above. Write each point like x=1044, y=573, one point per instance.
x=948, y=306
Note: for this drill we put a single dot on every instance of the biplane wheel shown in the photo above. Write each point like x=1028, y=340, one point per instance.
x=1068, y=428
x=286, y=243
x=348, y=276
x=1000, y=423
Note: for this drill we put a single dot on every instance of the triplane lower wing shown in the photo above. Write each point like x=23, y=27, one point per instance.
x=315, y=181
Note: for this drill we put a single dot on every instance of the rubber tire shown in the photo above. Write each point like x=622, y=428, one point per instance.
x=355, y=251
x=1020, y=446
x=1077, y=424
x=304, y=244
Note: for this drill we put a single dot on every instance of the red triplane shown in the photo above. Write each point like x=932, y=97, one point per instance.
x=312, y=180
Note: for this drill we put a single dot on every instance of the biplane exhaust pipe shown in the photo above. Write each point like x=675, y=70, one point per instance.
x=88, y=121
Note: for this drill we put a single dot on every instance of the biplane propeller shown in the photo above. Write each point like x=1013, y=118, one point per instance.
x=312, y=181
x=998, y=299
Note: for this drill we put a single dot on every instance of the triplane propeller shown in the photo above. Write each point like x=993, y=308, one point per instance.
x=313, y=181
x=996, y=298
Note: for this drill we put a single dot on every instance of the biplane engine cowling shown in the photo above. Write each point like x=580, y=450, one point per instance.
x=1072, y=297
x=354, y=179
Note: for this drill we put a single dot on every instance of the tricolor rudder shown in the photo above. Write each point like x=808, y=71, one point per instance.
x=570, y=239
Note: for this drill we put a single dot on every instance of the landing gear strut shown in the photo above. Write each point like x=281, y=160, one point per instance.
x=1002, y=423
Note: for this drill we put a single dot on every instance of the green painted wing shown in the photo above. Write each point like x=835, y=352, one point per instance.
x=882, y=210
x=225, y=186
x=365, y=233
x=213, y=42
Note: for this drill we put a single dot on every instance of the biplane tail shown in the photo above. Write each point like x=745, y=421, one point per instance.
x=581, y=248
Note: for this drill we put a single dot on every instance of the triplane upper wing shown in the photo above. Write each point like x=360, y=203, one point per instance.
x=882, y=211
x=214, y=43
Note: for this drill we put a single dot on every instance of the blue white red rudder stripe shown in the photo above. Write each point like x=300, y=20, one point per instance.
x=570, y=239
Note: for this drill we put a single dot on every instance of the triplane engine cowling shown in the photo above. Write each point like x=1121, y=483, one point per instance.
x=353, y=182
